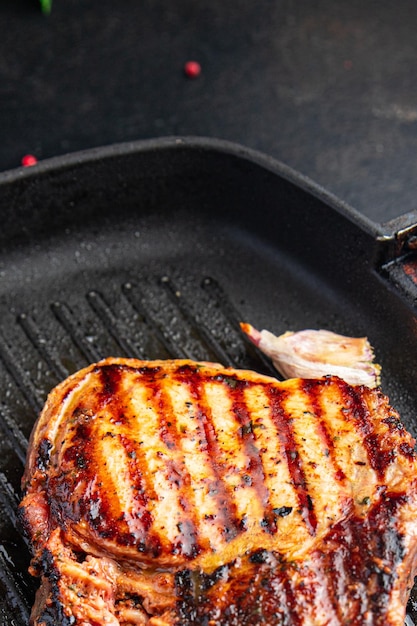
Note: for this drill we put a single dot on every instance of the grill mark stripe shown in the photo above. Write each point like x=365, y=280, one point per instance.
x=320, y=592
x=121, y=448
x=102, y=506
x=361, y=418
x=283, y=501
x=314, y=391
x=133, y=520
x=337, y=579
x=349, y=449
x=291, y=616
x=374, y=557
x=162, y=497
x=232, y=455
x=274, y=581
x=136, y=473
x=77, y=453
x=138, y=485
x=296, y=586
x=187, y=541
x=323, y=407
x=97, y=505
x=93, y=460
x=255, y=466
x=286, y=435
x=224, y=497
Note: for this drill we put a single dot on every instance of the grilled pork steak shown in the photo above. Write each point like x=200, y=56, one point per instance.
x=174, y=492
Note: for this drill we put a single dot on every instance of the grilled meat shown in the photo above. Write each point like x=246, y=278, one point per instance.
x=174, y=492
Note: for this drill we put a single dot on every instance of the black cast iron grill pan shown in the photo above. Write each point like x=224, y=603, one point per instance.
x=158, y=249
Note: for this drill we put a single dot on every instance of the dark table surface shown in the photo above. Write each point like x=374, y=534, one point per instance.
x=328, y=87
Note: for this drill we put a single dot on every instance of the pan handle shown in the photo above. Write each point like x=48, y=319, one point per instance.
x=397, y=237
x=397, y=255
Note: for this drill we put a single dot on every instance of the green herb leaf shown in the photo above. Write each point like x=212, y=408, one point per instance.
x=46, y=6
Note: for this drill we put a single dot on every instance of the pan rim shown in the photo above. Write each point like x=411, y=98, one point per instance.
x=201, y=143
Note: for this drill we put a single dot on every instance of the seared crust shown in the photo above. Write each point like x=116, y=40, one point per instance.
x=167, y=492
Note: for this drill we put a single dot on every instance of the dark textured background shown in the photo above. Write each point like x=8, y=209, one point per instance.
x=328, y=87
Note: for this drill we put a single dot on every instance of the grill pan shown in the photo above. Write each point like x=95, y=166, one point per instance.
x=158, y=249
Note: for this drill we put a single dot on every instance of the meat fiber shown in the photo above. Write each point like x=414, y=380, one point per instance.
x=178, y=493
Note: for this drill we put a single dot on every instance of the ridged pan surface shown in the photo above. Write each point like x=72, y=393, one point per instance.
x=157, y=250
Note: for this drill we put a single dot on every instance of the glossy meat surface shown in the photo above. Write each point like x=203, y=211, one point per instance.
x=174, y=492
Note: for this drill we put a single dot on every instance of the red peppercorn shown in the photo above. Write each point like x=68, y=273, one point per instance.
x=192, y=69
x=29, y=160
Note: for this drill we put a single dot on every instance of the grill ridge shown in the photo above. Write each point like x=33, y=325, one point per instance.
x=40, y=343
x=219, y=296
x=14, y=595
x=208, y=338
x=13, y=433
x=20, y=377
x=111, y=323
x=8, y=498
x=136, y=299
x=68, y=321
